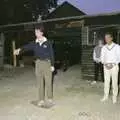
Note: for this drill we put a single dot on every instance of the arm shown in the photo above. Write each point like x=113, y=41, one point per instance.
x=97, y=60
x=118, y=54
x=102, y=56
x=94, y=55
x=27, y=47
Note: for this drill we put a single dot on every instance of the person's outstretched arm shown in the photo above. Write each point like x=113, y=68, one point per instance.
x=24, y=48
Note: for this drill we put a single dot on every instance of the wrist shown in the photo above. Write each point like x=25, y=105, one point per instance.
x=52, y=68
x=19, y=49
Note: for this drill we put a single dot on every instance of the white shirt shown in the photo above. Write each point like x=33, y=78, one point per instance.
x=110, y=54
x=44, y=39
x=97, y=53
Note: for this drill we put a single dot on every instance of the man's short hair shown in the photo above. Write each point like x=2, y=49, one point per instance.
x=110, y=34
x=40, y=27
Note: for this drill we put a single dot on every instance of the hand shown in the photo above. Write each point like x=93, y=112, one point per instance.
x=17, y=51
x=97, y=61
x=109, y=66
x=52, y=68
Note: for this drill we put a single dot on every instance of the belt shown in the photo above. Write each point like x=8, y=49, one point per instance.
x=111, y=64
x=48, y=60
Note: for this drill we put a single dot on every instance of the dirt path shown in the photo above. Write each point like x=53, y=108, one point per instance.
x=75, y=99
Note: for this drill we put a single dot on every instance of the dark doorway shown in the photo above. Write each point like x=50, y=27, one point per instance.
x=67, y=46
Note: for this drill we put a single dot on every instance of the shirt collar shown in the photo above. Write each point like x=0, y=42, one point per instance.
x=100, y=45
x=111, y=44
x=109, y=47
x=44, y=39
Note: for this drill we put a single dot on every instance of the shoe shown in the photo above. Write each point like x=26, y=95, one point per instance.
x=50, y=102
x=104, y=99
x=114, y=100
x=41, y=103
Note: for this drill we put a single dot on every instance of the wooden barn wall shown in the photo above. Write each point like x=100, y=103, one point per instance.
x=86, y=56
x=103, y=20
x=2, y=40
x=67, y=44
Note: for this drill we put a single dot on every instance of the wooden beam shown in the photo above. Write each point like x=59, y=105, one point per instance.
x=14, y=56
x=60, y=19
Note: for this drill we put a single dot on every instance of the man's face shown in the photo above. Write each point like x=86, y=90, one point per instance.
x=38, y=33
x=108, y=39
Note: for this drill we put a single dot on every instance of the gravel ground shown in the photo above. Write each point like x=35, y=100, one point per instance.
x=75, y=99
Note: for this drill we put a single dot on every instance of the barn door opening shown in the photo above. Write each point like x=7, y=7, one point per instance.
x=2, y=39
x=67, y=45
x=118, y=37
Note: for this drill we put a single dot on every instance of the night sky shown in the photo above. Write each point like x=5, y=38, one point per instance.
x=95, y=6
x=13, y=11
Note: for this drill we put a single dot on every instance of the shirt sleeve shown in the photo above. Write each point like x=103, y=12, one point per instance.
x=94, y=55
x=118, y=54
x=102, y=56
x=28, y=47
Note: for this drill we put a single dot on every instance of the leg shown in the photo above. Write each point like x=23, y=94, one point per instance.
x=102, y=72
x=48, y=83
x=107, y=76
x=99, y=70
x=115, y=71
x=96, y=71
x=41, y=88
x=119, y=76
x=40, y=81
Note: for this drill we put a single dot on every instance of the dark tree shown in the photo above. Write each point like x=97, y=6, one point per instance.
x=15, y=11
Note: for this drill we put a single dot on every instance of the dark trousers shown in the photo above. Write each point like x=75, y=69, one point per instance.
x=99, y=72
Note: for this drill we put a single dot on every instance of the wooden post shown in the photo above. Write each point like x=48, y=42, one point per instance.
x=14, y=56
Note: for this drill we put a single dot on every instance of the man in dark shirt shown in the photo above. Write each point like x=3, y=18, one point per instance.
x=44, y=65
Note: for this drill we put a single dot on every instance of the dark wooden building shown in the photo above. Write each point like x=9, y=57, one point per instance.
x=72, y=33
x=66, y=34
x=65, y=10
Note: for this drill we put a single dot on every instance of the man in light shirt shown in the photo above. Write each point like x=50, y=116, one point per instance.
x=110, y=58
x=97, y=60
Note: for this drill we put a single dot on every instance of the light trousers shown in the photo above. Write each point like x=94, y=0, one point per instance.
x=44, y=79
x=108, y=75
